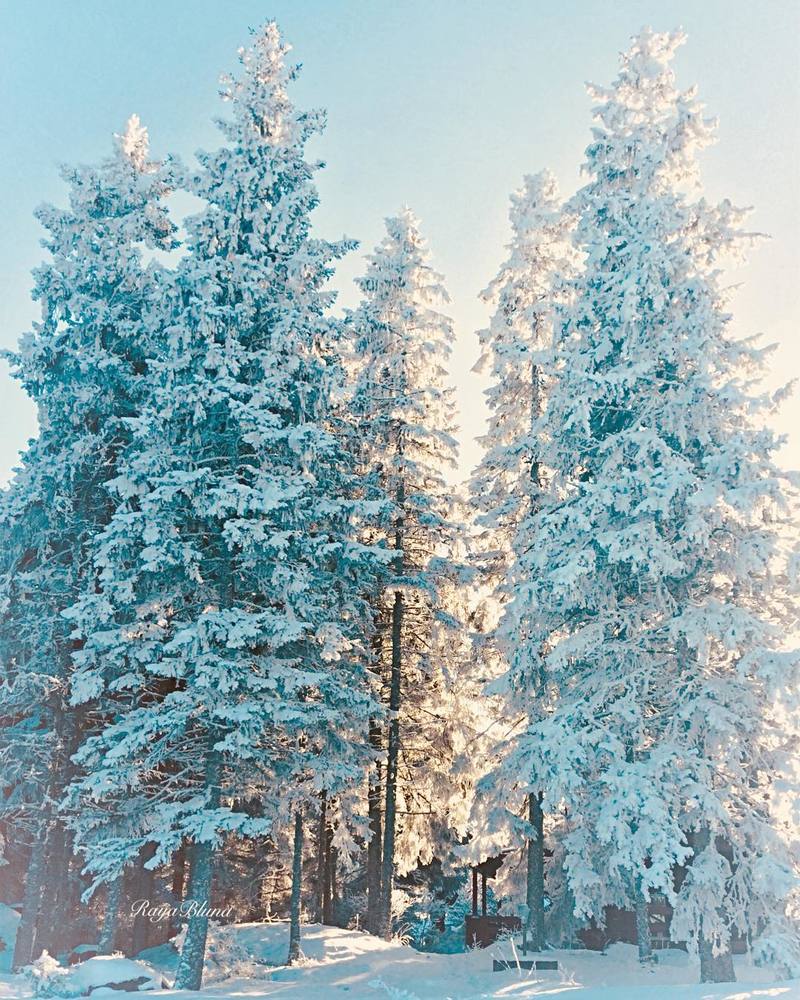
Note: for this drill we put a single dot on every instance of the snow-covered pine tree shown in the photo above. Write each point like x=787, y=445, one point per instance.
x=514, y=352
x=224, y=639
x=506, y=489
x=404, y=414
x=81, y=365
x=658, y=583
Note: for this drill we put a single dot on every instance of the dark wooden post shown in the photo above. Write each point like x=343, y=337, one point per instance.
x=483, y=894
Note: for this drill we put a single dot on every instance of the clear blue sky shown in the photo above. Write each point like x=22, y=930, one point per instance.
x=440, y=104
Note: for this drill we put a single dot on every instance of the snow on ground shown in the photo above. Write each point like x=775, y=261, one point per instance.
x=350, y=965
x=107, y=969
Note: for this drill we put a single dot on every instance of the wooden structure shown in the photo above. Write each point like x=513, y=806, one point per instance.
x=539, y=964
x=620, y=925
x=482, y=929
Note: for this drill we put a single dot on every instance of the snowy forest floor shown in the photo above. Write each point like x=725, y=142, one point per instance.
x=350, y=964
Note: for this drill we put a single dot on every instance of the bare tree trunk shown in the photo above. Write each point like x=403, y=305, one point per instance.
x=297, y=876
x=535, y=873
x=111, y=917
x=189, y=975
x=374, y=848
x=393, y=753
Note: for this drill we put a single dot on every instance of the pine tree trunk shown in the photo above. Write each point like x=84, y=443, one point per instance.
x=69, y=916
x=34, y=890
x=178, y=873
x=715, y=968
x=130, y=895
x=178, y=883
x=374, y=848
x=329, y=876
x=322, y=860
x=44, y=881
x=393, y=753
x=189, y=975
x=297, y=877
x=535, y=873
x=58, y=923
x=643, y=937
x=78, y=925
x=570, y=921
x=332, y=895
x=642, y=915
x=535, y=880
x=111, y=917
x=145, y=884
x=55, y=917
x=50, y=922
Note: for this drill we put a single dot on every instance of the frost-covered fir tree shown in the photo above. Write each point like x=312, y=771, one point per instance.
x=404, y=414
x=82, y=366
x=508, y=488
x=223, y=645
x=658, y=581
x=515, y=352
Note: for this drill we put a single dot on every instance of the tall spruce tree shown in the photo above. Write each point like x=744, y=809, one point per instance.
x=404, y=415
x=225, y=635
x=507, y=489
x=82, y=365
x=657, y=577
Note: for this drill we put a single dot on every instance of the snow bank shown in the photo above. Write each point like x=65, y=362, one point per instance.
x=104, y=969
